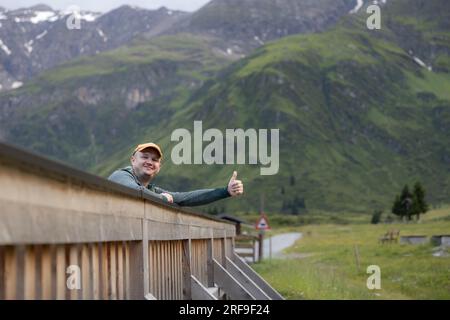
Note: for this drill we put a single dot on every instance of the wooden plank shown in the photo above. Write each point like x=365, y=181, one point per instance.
x=151, y=268
x=180, y=270
x=73, y=256
x=136, y=271
x=120, y=270
x=186, y=263
x=60, y=272
x=209, y=261
x=168, y=269
x=229, y=284
x=60, y=225
x=245, y=281
x=199, y=291
x=163, y=270
x=30, y=273
x=244, y=246
x=20, y=285
x=95, y=262
x=113, y=270
x=224, y=251
x=10, y=273
x=176, y=265
x=245, y=254
x=159, y=271
x=127, y=270
x=46, y=273
x=104, y=262
x=2, y=273
x=267, y=288
x=144, y=256
x=157, y=264
x=38, y=269
x=61, y=286
x=172, y=269
x=85, y=273
x=53, y=271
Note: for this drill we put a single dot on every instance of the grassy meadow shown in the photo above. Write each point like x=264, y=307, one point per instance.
x=330, y=262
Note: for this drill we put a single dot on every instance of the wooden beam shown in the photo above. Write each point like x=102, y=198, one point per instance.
x=30, y=273
x=248, y=283
x=267, y=288
x=229, y=284
x=144, y=254
x=210, y=262
x=199, y=291
x=136, y=263
x=186, y=263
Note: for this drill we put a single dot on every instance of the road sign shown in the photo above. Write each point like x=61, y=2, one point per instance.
x=263, y=223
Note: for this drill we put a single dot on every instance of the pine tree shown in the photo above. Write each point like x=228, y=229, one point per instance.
x=420, y=204
x=406, y=200
x=397, y=207
x=376, y=216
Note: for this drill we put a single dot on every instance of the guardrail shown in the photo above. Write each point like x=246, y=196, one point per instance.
x=67, y=234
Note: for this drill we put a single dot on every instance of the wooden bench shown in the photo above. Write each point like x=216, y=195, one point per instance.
x=390, y=236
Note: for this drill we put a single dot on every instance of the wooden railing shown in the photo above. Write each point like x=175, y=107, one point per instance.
x=66, y=234
x=245, y=246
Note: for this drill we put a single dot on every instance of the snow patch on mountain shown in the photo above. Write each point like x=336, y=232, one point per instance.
x=4, y=47
x=16, y=85
x=359, y=4
x=41, y=35
x=41, y=16
x=29, y=46
x=101, y=34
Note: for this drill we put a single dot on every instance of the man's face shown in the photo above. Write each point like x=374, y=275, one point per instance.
x=146, y=163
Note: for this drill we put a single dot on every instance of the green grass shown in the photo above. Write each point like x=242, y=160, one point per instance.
x=437, y=83
x=322, y=265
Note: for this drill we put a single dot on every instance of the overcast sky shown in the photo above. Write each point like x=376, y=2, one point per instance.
x=106, y=5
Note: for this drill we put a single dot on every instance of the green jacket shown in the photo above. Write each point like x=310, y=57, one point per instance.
x=126, y=177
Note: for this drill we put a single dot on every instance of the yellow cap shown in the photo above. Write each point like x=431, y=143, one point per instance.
x=148, y=145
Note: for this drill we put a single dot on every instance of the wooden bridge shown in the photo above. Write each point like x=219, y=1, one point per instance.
x=67, y=234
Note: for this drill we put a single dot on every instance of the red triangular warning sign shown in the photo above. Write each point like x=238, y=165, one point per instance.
x=263, y=223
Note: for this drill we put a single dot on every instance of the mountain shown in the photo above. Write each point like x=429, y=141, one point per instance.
x=87, y=109
x=120, y=81
x=37, y=38
x=247, y=24
x=361, y=112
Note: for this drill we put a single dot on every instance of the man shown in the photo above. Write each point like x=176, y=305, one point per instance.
x=145, y=165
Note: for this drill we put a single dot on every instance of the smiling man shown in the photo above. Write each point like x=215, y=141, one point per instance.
x=145, y=165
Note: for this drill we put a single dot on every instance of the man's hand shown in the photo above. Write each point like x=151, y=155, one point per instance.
x=168, y=197
x=235, y=187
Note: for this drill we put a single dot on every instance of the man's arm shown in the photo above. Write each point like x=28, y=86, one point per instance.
x=196, y=197
x=205, y=196
x=125, y=178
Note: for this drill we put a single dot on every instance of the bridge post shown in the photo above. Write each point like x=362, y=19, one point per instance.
x=186, y=262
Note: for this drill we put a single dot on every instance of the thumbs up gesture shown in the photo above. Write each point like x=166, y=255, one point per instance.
x=235, y=187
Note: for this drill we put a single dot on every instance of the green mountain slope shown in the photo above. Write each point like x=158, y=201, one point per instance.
x=358, y=118
x=87, y=109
